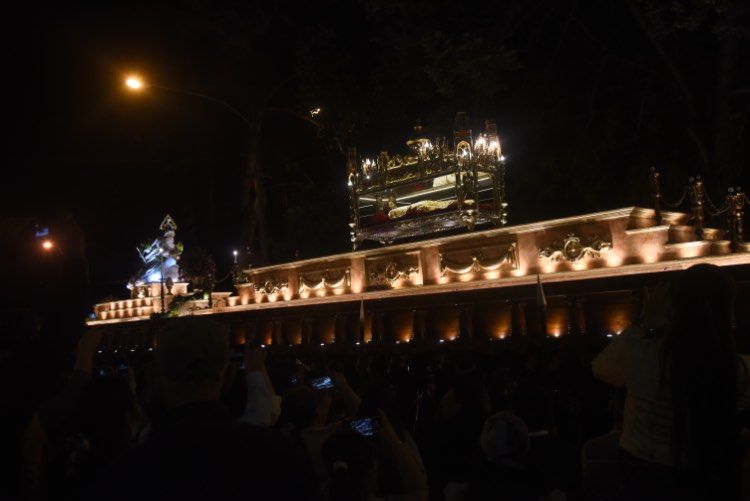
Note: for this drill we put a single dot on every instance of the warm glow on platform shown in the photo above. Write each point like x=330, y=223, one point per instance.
x=613, y=259
x=580, y=265
x=650, y=254
x=687, y=250
x=403, y=326
x=48, y=245
x=549, y=266
x=134, y=82
x=557, y=320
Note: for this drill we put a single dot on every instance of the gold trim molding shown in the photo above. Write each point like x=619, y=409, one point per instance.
x=325, y=282
x=271, y=286
x=573, y=248
x=509, y=256
x=390, y=273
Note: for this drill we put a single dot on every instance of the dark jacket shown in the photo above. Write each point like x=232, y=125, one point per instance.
x=199, y=451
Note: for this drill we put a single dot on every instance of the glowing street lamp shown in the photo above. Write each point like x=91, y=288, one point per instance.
x=47, y=245
x=134, y=82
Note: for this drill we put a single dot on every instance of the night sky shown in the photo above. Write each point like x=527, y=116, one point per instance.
x=584, y=99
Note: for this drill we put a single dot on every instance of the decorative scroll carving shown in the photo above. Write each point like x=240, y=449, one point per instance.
x=325, y=282
x=508, y=256
x=390, y=272
x=271, y=286
x=573, y=248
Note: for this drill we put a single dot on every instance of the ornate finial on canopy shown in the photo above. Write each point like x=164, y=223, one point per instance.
x=168, y=224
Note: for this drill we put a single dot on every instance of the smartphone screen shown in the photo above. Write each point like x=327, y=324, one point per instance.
x=365, y=427
x=322, y=383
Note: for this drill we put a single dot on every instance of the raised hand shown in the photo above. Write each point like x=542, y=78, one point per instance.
x=255, y=358
x=87, y=344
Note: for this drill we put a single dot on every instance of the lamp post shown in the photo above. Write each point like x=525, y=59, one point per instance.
x=134, y=83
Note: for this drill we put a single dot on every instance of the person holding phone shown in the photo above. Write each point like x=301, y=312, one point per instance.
x=353, y=461
x=197, y=449
x=685, y=384
x=306, y=411
x=263, y=405
x=305, y=417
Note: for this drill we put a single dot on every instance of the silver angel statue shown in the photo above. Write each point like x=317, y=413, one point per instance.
x=159, y=257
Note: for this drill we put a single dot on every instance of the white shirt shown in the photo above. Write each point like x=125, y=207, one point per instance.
x=263, y=405
x=633, y=361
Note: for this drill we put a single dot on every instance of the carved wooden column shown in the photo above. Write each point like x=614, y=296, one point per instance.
x=358, y=275
x=339, y=328
x=292, y=291
x=364, y=328
x=377, y=327
x=409, y=328
x=292, y=331
x=466, y=325
x=276, y=334
x=518, y=325
x=150, y=338
x=317, y=336
x=238, y=333
x=542, y=314
x=429, y=264
x=251, y=330
x=351, y=327
x=367, y=328
x=420, y=325
x=307, y=331
x=536, y=320
x=577, y=315
x=265, y=331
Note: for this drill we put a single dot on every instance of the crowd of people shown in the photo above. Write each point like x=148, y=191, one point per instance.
x=656, y=413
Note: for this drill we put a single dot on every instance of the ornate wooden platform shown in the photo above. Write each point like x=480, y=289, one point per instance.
x=480, y=283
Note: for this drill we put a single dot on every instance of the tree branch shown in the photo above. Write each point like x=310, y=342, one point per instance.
x=674, y=72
